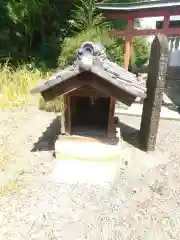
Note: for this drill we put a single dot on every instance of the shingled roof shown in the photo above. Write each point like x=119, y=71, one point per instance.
x=91, y=60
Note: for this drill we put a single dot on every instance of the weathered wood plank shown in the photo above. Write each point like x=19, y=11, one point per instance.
x=67, y=115
x=111, y=126
x=87, y=91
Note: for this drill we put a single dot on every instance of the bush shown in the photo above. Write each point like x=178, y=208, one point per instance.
x=70, y=44
x=140, y=52
x=114, y=47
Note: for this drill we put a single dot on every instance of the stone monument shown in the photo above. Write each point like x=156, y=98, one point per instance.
x=155, y=88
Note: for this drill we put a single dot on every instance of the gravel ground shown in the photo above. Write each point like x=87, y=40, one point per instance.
x=138, y=205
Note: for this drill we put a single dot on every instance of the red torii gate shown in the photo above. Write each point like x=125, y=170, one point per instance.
x=132, y=11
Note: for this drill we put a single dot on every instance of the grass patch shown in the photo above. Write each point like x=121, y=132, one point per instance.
x=15, y=84
x=55, y=105
x=4, y=158
x=11, y=186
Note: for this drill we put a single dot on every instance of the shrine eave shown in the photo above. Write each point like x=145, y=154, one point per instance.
x=137, y=6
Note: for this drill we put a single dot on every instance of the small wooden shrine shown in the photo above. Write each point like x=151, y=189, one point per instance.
x=90, y=87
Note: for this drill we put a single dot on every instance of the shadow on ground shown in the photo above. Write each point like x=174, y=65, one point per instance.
x=171, y=106
x=129, y=135
x=47, y=140
x=94, y=134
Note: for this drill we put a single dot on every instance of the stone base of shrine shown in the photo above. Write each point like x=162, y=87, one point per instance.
x=86, y=160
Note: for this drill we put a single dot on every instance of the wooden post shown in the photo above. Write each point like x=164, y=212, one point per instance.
x=68, y=114
x=128, y=44
x=111, y=126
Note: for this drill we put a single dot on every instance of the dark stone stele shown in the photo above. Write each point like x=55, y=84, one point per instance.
x=155, y=88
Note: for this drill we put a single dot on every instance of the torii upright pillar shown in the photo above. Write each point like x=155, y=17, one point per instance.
x=128, y=43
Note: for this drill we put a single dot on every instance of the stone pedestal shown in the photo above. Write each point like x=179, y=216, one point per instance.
x=86, y=160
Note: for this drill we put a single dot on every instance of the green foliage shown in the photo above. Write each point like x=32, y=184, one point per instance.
x=140, y=52
x=116, y=51
x=86, y=16
x=114, y=46
x=90, y=25
x=26, y=25
x=71, y=44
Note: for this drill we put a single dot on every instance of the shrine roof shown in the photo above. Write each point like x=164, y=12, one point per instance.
x=136, y=6
x=91, y=59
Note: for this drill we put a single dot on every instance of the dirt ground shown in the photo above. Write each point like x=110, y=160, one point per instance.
x=143, y=202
